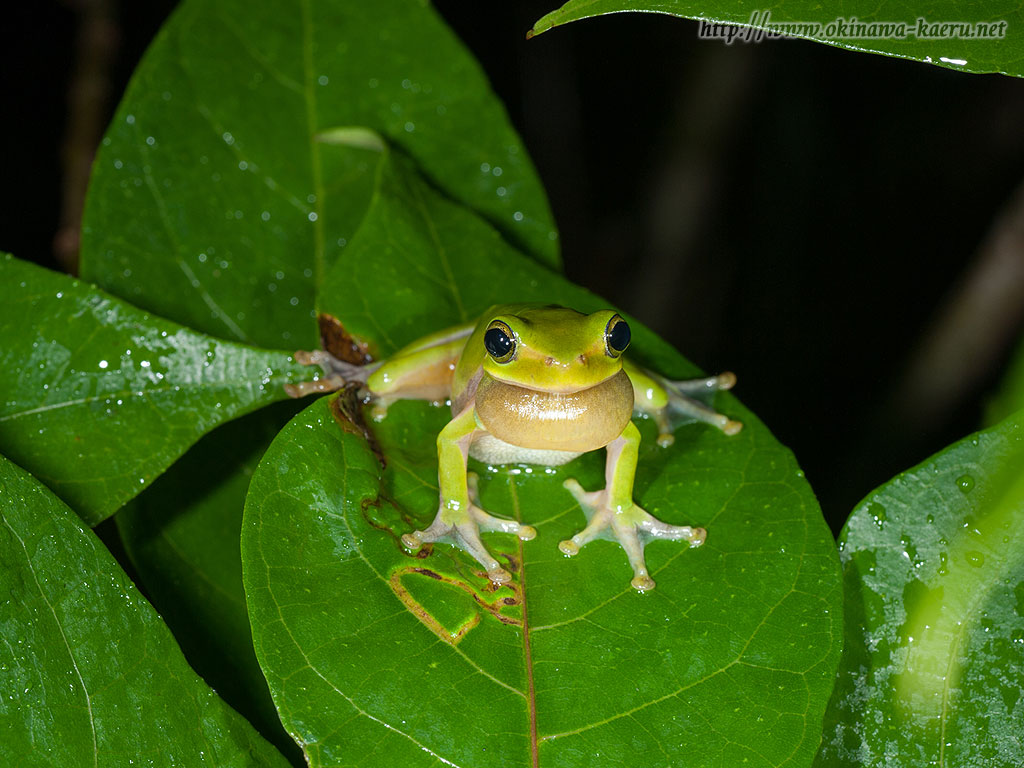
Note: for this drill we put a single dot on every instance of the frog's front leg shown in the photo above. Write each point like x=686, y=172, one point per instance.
x=459, y=519
x=614, y=511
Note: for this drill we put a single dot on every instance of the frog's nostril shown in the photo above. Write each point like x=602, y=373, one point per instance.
x=582, y=359
x=549, y=361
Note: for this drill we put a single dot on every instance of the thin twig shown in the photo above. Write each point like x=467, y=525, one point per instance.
x=89, y=91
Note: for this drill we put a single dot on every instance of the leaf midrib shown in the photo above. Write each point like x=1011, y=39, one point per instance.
x=319, y=268
x=531, y=696
x=64, y=638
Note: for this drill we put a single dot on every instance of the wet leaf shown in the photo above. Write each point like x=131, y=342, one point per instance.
x=946, y=33
x=68, y=698
x=182, y=535
x=215, y=199
x=934, y=580
x=375, y=656
x=102, y=397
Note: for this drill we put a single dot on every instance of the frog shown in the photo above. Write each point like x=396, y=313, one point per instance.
x=540, y=385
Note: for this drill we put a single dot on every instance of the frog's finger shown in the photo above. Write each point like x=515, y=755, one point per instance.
x=632, y=527
x=337, y=373
x=684, y=405
x=464, y=535
x=724, y=380
x=488, y=522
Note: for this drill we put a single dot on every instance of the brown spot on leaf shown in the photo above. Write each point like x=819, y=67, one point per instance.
x=340, y=343
x=348, y=413
x=449, y=635
x=428, y=572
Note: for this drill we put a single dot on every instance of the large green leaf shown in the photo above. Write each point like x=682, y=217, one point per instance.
x=102, y=397
x=213, y=202
x=934, y=579
x=182, y=535
x=377, y=657
x=928, y=31
x=89, y=673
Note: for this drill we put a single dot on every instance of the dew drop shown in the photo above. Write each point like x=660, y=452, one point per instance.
x=975, y=558
x=877, y=512
x=965, y=483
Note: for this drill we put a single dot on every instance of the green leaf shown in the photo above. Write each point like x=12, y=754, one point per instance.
x=420, y=262
x=182, y=535
x=104, y=397
x=378, y=657
x=934, y=579
x=915, y=31
x=89, y=673
x=214, y=203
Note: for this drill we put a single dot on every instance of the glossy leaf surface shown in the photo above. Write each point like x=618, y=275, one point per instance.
x=934, y=581
x=378, y=657
x=103, y=397
x=215, y=200
x=69, y=698
x=182, y=535
x=992, y=42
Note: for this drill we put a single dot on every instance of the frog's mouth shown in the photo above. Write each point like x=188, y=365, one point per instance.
x=552, y=389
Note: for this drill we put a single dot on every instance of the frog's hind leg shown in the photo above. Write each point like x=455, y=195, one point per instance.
x=337, y=373
x=682, y=404
x=668, y=401
x=420, y=371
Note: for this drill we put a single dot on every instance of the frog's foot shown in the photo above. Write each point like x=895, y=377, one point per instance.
x=337, y=373
x=682, y=403
x=632, y=527
x=463, y=530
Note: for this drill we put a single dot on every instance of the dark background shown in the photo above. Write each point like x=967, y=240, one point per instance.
x=802, y=215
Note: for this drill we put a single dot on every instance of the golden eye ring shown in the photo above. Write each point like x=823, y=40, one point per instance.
x=500, y=342
x=616, y=336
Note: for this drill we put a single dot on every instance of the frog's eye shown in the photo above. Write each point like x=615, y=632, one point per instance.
x=616, y=336
x=500, y=342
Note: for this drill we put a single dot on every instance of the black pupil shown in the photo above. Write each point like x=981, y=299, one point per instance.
x=497, y=342
x=618, y=337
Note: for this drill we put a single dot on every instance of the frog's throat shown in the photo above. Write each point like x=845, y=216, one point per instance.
x=579, y=421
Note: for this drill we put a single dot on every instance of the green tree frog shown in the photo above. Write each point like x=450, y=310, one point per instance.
x=534, y=384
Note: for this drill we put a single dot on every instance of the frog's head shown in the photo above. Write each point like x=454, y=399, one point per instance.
x=554, y=349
